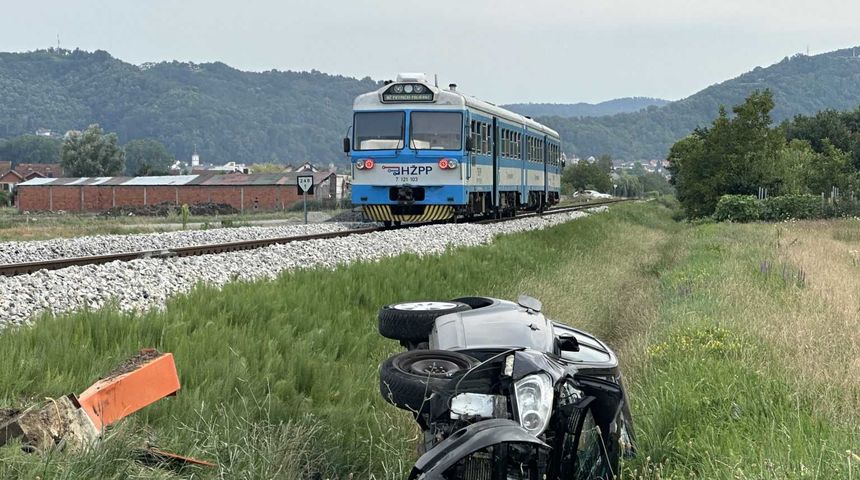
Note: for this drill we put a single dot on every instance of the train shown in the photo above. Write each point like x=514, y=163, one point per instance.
x=421, y=153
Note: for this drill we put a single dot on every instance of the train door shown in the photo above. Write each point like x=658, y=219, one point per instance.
x=545, y=169
x=524, y=172
x=469, y=155
x=495, y=144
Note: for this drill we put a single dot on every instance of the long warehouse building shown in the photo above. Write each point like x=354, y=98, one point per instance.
x=246, y=193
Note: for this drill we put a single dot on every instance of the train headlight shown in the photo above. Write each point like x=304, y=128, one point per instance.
x=359, y=164
x=534, y=402
x=419, y=88
x=407, y=88
x=452, y=163
x=397, y=89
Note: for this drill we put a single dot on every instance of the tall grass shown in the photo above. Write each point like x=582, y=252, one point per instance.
x=280, y=377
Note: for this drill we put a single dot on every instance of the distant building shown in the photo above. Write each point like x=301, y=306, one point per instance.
x=10, y=177
x=47, y=170
x=246, y=193
x=307, y=167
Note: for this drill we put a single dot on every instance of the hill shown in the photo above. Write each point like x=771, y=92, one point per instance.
x=228, y=114
x=609, y=107
x=802, y=85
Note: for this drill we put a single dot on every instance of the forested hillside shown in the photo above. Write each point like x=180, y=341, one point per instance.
x=609, y=107
x=290, y=117
x=228, y=114
x=800, y=85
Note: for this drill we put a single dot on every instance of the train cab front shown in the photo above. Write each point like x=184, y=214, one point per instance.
x=407, y=155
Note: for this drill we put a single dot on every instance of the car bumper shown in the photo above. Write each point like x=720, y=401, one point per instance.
x=467, y=441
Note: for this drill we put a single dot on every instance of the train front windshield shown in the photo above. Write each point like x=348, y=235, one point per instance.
x=435, y=130
x=379, y=130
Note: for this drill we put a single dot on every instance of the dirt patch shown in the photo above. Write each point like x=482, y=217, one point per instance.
x=347, y=217
x=7, y=414
x=132, y=363
x=167, y=208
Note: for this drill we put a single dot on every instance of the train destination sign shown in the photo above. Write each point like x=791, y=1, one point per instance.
x=407, y=97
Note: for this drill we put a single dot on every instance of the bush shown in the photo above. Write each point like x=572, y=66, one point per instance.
x=842, y=208
x=788, y=207
x=737, y=208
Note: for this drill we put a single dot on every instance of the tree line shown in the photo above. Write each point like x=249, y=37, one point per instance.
x=90, y=153
x=601, y=176
x=743, y=154
x=229, y=115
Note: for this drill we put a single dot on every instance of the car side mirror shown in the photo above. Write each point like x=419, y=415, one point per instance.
x=567, y=343
x=346, y=145
x=469, y=145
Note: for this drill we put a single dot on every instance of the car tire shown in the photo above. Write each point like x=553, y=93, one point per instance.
x=407, y=380
x=413, y=321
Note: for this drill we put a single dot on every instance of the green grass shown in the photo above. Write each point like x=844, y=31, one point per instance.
x=279, y=377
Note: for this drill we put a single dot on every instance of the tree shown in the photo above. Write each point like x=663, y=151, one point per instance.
x=267, y=168
x=605, y=163
x=92, y=154
x=147, y=157
x=655, y=182
x=585, y=176
x=736, y=155
x=831, y=168
x=30, y=149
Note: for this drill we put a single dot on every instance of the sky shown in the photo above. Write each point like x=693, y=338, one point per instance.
x=503, y=51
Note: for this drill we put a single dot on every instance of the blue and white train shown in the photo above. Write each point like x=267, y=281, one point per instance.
x=421, y=153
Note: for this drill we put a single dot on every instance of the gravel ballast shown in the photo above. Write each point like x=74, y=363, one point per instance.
x=144, y=284
x=39, y=250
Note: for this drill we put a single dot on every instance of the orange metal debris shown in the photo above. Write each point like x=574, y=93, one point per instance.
x=116, y=397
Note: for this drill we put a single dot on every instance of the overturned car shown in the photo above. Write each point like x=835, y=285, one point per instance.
x=502, y=392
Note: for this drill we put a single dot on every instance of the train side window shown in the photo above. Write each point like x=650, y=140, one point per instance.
x=517, y=145
x=472, y=133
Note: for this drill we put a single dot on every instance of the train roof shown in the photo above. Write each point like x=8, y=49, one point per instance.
x=446, y=99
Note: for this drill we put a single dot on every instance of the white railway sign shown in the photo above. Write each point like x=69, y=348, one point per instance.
x=306, y=183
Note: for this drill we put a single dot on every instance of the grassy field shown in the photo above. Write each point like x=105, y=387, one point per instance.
x=739, y=343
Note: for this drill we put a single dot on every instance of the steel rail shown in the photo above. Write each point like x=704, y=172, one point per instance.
x=14, y=269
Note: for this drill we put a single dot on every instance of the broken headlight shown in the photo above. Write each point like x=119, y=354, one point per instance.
x=534, y=402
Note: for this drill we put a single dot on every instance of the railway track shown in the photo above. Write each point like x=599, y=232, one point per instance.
x=13, y=269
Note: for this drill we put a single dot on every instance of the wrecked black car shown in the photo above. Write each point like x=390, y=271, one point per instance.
x=502, y=392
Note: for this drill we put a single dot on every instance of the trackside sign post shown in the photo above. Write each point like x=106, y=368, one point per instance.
x=306, y=186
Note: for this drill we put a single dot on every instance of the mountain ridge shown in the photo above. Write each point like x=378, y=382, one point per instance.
x=225, y=113
x=292, y=117
x=801, y=84
x=584, y=109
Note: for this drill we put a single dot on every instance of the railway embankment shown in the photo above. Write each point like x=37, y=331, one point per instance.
x=737, y=342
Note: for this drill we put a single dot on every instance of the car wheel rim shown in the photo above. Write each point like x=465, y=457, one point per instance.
x=424, y=306
x=434, y=368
